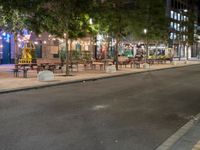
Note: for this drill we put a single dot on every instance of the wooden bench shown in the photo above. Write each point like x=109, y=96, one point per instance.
x=16, y=72
x=137, y=63
x=123, y=61
x=71, y=64
x=100, y=64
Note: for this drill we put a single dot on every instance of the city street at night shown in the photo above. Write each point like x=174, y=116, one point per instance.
x=131, y=112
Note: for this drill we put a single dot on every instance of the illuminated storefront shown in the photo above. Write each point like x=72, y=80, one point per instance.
x=5, y=48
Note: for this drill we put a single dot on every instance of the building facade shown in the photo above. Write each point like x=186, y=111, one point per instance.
x=183, y=28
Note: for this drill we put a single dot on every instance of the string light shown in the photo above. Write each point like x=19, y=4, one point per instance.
x=44, y=42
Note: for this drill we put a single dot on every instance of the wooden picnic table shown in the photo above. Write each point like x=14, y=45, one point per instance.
x=100, y=64
x=24, y=67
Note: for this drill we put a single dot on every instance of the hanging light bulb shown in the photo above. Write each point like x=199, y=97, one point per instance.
x=44, y=42
x=1, y=46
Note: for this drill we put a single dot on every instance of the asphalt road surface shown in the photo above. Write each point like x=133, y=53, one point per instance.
x=134, y=112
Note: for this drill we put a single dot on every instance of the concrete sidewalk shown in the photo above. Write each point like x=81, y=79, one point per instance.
x=8, y=83
x=190, y=140
x=186, y=138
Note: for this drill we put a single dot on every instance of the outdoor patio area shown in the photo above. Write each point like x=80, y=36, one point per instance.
x=9, y=82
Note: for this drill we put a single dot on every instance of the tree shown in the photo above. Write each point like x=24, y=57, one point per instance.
x=14, y=17
x=113, y=18
x=12, y=21
x=65, y=19
x=120, y=18
x=151, y=16
x=191, y=23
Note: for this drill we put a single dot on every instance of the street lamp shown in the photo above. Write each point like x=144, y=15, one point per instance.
x=145, y=32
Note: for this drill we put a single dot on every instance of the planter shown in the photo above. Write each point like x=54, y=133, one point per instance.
x=146, y=66
x=174, y=63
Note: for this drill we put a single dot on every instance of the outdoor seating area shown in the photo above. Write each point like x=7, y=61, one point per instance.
x=58, y=67
x=11, y=77
x=22, y=69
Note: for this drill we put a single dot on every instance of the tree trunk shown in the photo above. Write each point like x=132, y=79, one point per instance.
x=147, y=52
x=70, y=51
x=179, y=51
x=116, y=52
x=16, y=48
x=156, y=50
x=198, y=52
x=67, y=55
x=107, y=48
x=185, y=46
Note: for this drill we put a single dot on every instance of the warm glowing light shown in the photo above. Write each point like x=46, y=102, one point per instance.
x=90, y=21
x=61, y=40
x=145, y=31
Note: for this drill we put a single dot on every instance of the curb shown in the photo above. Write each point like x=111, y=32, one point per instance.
x=90, y=79
x=178, y=134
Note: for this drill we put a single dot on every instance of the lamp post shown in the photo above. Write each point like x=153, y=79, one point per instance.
x=145, y=32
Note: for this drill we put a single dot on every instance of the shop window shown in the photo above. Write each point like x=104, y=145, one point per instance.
x=184, y=37
x=182, y=18
x=175, y=26
x=55, y=55
x=179, y=17
x=175, y=15
x=175, y=36
x=171, y=36
x=172, y=14
x=178, y=27
x=185, y=18
x=172, y=25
